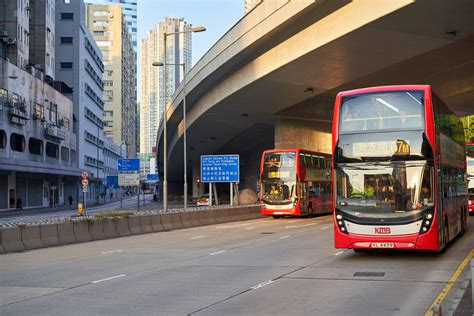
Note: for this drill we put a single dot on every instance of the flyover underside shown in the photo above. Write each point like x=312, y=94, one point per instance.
x=295, y=82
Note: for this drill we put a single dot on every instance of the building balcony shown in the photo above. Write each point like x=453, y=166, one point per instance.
x=54, y=132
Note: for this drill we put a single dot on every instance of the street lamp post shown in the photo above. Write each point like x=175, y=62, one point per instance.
x=165, y=140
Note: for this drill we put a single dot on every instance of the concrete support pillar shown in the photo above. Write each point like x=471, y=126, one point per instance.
x=310, y=135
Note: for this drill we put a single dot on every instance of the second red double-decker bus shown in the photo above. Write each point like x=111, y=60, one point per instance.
x=399, y=169
x=295, y=182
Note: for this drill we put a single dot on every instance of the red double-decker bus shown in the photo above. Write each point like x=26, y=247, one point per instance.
x=399, y=169
x=295, y=182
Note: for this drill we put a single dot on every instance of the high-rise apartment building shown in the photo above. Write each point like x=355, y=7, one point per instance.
x=129, y=10
x=152, y=101
x=250, y=4
x=110, y=30
x=80, y=66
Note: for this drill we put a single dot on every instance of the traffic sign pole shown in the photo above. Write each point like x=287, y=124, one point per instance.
x=231, y=194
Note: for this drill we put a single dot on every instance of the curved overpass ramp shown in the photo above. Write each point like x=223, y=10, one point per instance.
x=270, y=81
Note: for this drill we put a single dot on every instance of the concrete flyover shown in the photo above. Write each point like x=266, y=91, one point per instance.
x=271, y=80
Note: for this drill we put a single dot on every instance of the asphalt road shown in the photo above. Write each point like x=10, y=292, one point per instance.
x=257, y=267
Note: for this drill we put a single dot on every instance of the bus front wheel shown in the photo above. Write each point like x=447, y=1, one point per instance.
x=276, y=216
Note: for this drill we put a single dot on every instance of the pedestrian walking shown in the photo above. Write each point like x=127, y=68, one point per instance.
x=70, y=200
x=19, y=204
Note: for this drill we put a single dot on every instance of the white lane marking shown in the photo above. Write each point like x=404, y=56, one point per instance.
x=298, y=226
x=248, y=228
x=325, y=227
x=216, y=253
x=283, y=237
x=232, y=226
x=261, y=284
x=338, y=253
x=107, y=279
x=112, y=251
x=196, y=237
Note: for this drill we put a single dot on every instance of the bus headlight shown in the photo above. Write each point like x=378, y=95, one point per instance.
x=426, y=223
x=341, y=224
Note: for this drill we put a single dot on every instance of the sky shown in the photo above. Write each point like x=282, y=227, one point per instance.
x=217, y=16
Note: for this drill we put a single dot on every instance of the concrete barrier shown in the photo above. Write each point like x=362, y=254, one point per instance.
x=234, y=215
x=196, y=218
x=207, y=217
x=11, y=239
x=166, y=221
x=186, y=219
x=31, y=238
x=2, y=250
x=109, y=228
x=176, y=220
x=156, y=223
x=81, y=231
x=49, y=235
x=122, y=227
x=96, y=229
x=66, y=233
x=221, y=215
x=134, y=225
x=145, y=224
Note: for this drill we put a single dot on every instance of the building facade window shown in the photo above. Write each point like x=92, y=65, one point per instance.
x=73, y=156
x=64, y=154
x=65, y=65
x=39, y=110
x=66, y=40
x=35, y=146
x=52, y=150
x=53, y=113
x=67, y=16
x=3, y=96
x=17, y=142
x=66, y=124
x=3, y=139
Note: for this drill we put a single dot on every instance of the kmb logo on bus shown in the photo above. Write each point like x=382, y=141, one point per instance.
x=382, y=230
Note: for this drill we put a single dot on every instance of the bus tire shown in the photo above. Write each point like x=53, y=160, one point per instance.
x=463, y=222
x=276, y=216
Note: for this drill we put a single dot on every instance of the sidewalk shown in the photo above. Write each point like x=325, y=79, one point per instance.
x=60, y=208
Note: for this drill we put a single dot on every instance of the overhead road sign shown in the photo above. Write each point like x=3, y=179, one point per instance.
x=152, y=177
x=128, y=179
x=125, y=165
x=220, y=168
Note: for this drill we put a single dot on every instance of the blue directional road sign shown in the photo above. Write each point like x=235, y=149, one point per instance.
x=220, y=168
x=129, y=165
x=112, y=181
x=152, y=177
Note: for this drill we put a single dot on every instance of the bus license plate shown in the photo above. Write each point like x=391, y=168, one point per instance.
x=382, y=245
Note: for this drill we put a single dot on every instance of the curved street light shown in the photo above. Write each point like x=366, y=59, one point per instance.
x=195, y=29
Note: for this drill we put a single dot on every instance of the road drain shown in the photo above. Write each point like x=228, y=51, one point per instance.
x=369, y=274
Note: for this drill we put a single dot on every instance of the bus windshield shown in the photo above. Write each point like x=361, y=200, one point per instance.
x=384, y=190
x=279, y=177
x=392, y=110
